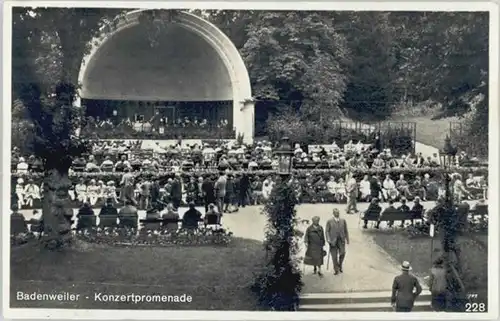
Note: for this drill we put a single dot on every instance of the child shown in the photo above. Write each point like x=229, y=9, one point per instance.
x=340, y=194
x=81, y=191
x=110, y=191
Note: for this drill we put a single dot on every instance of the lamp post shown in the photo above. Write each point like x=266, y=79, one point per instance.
x=448, y=225
x=447, y=158
x=284, y=153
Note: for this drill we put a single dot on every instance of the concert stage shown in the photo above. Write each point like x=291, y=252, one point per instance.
x=192, y=71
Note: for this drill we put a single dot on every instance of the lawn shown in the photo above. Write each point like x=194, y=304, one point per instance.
x=217, y=278
x=474, y=257
x=430, y=132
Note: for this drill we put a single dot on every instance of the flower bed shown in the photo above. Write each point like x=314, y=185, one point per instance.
x=130, y=237
x=21, y=238
x=475, y=225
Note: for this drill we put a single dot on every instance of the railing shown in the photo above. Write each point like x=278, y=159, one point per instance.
x=459, y=139
x=147, y=131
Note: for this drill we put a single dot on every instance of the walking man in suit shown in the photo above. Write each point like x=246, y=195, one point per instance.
x=403, y=294
x=337, y=237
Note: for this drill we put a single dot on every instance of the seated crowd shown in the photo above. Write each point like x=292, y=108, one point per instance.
x=158, y=126
x=403, y=213
x=245, y=188
x=116, y=156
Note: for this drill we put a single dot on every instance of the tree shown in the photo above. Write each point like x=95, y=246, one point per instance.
x=297, y=56
x=370, y=86
x=49, y=46
x=442, y=55
x=234, y=23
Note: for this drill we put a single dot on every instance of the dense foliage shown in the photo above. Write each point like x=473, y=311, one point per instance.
x=279, y=284
x=363, y=64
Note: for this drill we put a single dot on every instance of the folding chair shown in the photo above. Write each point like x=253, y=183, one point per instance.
x=213, y=220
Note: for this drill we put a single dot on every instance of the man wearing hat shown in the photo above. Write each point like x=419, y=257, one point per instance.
x=337, y=236
x=405, y=289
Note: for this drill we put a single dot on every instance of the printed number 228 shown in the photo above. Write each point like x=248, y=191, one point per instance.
x=475, y=307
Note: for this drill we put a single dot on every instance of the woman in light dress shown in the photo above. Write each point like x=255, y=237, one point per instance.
x=340, y=191
x=364, y=188
x=93, y=192
x=267, y=187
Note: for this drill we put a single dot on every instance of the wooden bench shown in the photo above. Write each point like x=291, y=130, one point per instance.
x=388, y=216
x=396, y=215
x=86, y=221
x=128, y=221
x=370, y=216
x=479, y=210
x=18, y=225
x=160, y=223
x=108, y=221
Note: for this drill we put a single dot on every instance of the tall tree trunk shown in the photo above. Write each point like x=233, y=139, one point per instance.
x=56, y=212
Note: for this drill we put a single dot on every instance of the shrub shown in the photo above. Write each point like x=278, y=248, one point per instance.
x=279, y=284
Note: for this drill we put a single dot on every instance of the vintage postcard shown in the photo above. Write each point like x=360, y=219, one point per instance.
x=249, y=160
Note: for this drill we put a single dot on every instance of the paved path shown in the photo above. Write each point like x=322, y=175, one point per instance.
x=426, y=150
x=366, y=268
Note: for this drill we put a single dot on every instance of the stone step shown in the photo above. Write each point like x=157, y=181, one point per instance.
x=355, y=297
x=361, y=307
x=358, y=301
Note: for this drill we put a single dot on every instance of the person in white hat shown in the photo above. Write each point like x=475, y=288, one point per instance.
x=20, y=192
x=405, y=289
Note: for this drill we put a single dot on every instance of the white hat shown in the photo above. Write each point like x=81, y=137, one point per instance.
x=21, y=159
x=20, y=180
x=405, y=266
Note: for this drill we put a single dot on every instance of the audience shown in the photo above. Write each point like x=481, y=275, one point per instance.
x=191, y=217
x=172, y=217
x=128, y=215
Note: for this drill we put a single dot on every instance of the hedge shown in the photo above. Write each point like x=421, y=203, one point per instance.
x=409, y=172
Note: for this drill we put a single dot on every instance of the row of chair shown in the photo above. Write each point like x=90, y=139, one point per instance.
x=391, y=216
x=20, y=225
x=377, y=215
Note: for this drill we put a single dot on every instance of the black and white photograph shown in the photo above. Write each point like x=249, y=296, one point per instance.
x=228, y=160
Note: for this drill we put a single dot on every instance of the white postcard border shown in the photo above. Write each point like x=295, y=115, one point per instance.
x=493, y=240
